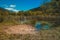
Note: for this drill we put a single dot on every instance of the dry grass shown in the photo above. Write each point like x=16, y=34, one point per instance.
x=51, y=34
x=21, y=29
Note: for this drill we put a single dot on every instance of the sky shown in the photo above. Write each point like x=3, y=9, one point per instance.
x=20, y=5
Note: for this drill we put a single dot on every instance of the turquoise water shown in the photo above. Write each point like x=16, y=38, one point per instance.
x=39, y=26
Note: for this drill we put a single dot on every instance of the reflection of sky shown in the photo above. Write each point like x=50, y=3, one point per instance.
x=20, y=4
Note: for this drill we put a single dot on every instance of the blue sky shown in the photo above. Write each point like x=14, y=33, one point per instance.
x=17, y=5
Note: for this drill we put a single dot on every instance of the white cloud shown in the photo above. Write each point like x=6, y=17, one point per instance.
x=12, y=9
x=9, y=8
x=15, y=10
x=12, y=5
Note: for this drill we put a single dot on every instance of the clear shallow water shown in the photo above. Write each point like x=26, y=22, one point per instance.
x=39, y=26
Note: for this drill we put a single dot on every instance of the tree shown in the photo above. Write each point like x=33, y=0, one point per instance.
x=20, y=13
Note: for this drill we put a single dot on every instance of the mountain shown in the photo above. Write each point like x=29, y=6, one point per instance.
x=52, y=7
x=2, y=9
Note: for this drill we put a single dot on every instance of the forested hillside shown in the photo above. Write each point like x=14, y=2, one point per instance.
x=49, y=11
x=51, y=8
